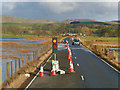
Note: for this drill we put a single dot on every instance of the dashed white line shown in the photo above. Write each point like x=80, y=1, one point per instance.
x=77, y=64
x=75, y=57
x=82, y=77
x=76, y=48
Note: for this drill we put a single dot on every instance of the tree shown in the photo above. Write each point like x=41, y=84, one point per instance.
x=104, y=32
x=14, y=29
x=86, y=30
x=37, y=31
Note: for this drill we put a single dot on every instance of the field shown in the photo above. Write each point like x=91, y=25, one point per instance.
x=104, y=39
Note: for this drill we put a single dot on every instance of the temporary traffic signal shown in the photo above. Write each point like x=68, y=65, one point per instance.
x=54, y=41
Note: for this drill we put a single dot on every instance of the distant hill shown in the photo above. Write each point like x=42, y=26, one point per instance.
x=84, y=21
x=80, y=20
x=116, y=21
x=10, y=19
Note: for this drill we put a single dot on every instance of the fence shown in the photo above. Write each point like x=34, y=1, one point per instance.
x=111, y=56
x=15, y=65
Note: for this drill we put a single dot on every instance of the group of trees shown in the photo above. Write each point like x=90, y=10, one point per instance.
x=12, y=29
x=61, y=28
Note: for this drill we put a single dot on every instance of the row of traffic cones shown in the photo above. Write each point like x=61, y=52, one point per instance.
x=42, y=71
x=53, y=68
x=69, y=57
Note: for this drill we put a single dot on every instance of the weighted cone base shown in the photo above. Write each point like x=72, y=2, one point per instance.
x=53, y=72
x=41, y=74
x=72, y=70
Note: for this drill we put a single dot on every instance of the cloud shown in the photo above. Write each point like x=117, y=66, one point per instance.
x=9, y=5
x=60, y=7
x=60, y=0
x=65, y=7
x=62, y=10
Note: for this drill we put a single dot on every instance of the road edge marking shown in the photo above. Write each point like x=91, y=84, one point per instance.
x=105, y=62
x=37, y=74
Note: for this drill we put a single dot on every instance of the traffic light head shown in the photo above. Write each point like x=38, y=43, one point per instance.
x=54, y=41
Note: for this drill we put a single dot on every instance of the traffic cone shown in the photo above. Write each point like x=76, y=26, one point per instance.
x=41, y=71
x=68, y=48
x=53, y=70
x=67, y=45
x=67, y=41
x=71, y=66
x=69, y=54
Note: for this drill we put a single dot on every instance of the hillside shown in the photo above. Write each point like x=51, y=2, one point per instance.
x=84, y=21
x=10, y=19
x=80, y=20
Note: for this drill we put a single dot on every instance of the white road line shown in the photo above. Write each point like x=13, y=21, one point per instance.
x=37, y=74
x=77, y=64
x=82, y=77
x=106, y=62
x=75, y=57
x=76, y=48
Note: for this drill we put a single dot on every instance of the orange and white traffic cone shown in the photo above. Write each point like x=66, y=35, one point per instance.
x=69, y=54
x=67, y=44
x=41, y=71
x=53, y=69
x=68, y=48
x=67, y=41
x=71, y=66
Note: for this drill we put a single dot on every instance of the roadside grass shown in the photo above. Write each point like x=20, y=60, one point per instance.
x=104, y=39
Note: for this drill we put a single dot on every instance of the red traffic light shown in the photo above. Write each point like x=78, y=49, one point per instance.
x=54, y=45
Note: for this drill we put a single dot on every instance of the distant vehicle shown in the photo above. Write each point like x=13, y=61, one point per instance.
x=76, y=41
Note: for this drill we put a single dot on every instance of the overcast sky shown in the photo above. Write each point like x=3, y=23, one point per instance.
x=59, y=10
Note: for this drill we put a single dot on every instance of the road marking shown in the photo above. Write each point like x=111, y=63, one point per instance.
x=76, y=48
x=105, y=62
x=37, y=74
x=82, y=77
x=77, y=64
x=75, y=57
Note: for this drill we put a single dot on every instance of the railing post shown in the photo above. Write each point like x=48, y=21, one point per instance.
x=11, y=69
x=15, y=65
x=22, y=61
x=19, y=63
x=28, y=57
x=117, y=56
x=25, y=59
x=31, y=56
x=34, y=55
x=8, y=70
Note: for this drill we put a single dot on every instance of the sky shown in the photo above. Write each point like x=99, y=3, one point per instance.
x=59, y=10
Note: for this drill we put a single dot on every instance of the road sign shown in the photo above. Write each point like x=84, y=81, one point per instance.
x=54, y=45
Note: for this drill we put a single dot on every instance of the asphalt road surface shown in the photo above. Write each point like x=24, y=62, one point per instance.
x=90, y=71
